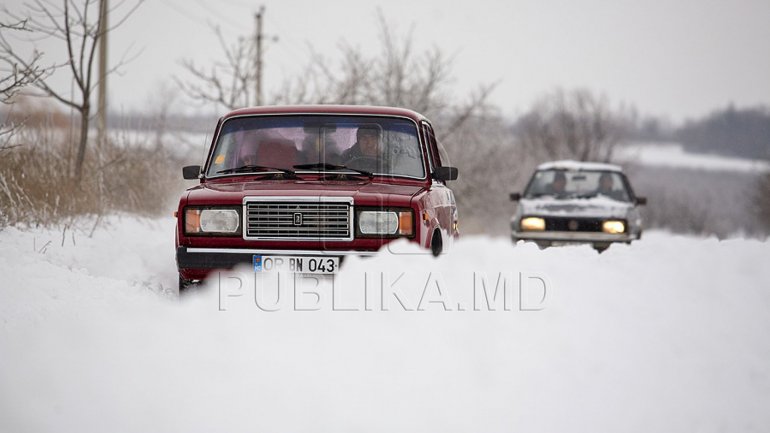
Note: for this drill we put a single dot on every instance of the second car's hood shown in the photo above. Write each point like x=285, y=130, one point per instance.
x=598, y=207
x=369, y=192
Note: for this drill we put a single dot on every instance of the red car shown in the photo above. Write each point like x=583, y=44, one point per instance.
x=297, y=188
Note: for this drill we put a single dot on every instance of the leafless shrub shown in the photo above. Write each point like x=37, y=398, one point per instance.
x=678, y=213
x=491, y=166
x=570, y=125
x=698, y=202
x=35, y=187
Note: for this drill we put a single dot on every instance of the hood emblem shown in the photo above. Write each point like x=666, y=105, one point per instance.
x=572, y=225
x=297, y=219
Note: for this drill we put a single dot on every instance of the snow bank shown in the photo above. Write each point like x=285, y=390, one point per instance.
x=668, y=334
x=673, y=155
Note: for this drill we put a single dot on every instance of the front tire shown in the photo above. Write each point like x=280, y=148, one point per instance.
x=436, y=244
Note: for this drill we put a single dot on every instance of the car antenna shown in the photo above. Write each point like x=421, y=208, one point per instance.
x=203, y=150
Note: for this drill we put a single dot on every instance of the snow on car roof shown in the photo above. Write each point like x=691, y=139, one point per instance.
x=578, y=165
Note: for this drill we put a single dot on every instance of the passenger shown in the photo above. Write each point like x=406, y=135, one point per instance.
x=607, y=187
x=317, y=148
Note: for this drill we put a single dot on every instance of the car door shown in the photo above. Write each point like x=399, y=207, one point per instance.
x=440, y=197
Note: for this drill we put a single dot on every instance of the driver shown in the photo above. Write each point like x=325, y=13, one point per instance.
x=559, y=184
x=366, y=150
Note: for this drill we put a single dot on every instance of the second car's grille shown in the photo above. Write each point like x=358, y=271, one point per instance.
x=298, y=220
x=565, y=224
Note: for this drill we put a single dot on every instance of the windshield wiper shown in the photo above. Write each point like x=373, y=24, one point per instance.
x=250, y=168
x=586, y=195
x=325, y=166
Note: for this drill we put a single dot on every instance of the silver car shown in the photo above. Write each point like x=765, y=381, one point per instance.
x=569, y=202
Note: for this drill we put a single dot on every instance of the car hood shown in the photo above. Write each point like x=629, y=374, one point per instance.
x=361, y=191
x=597, y=207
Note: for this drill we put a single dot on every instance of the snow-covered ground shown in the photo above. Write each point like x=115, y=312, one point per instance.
x=673, y=155
x=668, y=334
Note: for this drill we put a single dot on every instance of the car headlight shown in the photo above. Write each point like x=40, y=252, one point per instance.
x=532, y=224
x=614, y=227
x=389, y=223
x=211, y=220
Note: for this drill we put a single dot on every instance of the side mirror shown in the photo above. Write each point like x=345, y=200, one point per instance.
x=641, y=201
x=445, y=173
x=515, y=196
x=191, y=171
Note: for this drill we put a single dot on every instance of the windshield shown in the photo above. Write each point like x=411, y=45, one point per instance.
x=565, y=184
x=379, y=145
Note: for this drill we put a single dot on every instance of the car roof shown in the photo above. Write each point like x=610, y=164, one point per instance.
x=368, y=110
x=579, y=166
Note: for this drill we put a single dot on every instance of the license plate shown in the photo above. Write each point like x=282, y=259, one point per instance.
x=297, y=264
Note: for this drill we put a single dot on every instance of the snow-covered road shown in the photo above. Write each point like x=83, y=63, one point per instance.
x=668, y=334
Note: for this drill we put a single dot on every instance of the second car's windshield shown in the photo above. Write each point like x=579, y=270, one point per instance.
x=379, y=145
x=566, y=184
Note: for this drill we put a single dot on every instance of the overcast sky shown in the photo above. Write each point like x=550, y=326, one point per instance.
x=680, y=58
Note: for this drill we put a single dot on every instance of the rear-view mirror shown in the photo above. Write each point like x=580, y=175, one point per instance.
x=445, y=173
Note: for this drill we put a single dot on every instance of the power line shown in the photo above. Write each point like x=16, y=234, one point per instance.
x=221, y=17
x=185, y=13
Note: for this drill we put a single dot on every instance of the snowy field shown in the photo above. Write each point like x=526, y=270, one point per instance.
x=673, y=155
x=669, y=334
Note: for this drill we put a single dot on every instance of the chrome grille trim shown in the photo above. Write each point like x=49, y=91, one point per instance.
x=323, y=218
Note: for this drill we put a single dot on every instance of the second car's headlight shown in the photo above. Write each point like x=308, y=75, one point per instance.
x=614, y=227
x=199, y=220
x=386, y=222
x=532, y=224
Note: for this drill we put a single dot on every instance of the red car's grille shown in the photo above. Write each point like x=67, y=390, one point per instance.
x=298, y=220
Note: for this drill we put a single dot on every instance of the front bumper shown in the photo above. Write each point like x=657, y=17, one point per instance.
x=560, y=236
x=195, y=263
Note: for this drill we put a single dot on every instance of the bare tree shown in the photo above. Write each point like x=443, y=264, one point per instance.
x=78, y=25
x=14, y=77
x=395, y=75
x=574, y=124
x=227, y=83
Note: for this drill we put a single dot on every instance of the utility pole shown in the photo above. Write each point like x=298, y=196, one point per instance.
x=258, y=59
x=101, y=99
x=101, y=122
